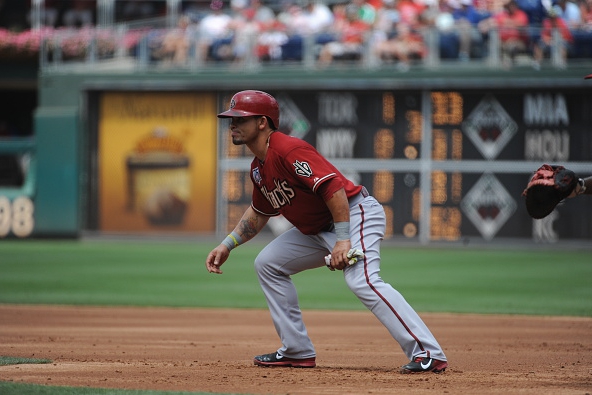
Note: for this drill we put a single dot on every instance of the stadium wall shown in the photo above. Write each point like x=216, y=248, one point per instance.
x=70, y=119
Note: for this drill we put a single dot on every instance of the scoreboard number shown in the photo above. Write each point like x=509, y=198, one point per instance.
x=16, y=216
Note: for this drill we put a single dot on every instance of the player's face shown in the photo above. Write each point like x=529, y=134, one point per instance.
x=244, y=130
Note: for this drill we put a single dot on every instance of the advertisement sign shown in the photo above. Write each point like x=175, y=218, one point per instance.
x=157, y=162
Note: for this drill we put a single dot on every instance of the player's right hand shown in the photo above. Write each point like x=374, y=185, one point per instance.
x=216, y=258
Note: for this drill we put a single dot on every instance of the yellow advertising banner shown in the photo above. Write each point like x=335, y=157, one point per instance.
x=157, y=162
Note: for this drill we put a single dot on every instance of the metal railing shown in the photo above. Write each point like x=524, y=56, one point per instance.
x=139, y=45
x=142, y=45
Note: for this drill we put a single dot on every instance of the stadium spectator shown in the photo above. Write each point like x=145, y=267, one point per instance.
x=402, y=47
x=511, y=24
x=586, y=14
x=543, y=46
x=311, y=18
x=318, y=16
x=536, y=11
x=366, y=11
x=176, y=43
x=387, y=16
x=270, y=41
x=351, y=34
x=444, y=22
x=215, y=34
x=570, y=13
x=294, y=17
x=245, y=31
x=263, y=13
x=410, y=12
x=467, y=18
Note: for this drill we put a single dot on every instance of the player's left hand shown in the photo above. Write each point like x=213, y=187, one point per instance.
x=216, y=258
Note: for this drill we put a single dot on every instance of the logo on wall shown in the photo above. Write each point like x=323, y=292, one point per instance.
x=488, y=205
x=292, y=121
x=489, y=127
x=159, y=178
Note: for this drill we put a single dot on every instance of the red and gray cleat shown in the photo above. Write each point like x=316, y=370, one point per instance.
x=424, y=364
x=277, y=360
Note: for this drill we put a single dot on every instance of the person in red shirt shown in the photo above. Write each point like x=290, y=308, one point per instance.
x=543, y=46
x=512, y=26
x=336, y=224
x=351, y=33
x=411, y=12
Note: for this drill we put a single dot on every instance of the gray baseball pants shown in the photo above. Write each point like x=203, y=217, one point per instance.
x=293, y=252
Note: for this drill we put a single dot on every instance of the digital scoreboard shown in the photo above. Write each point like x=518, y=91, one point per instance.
x=470, y=152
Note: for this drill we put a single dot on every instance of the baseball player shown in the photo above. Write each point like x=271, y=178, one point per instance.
x=336, y=223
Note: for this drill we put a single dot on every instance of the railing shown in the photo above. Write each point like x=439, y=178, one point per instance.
x=151, y=45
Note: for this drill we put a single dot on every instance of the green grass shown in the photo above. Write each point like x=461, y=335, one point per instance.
x=4, y=360
x=464, y=280
x=36, y=389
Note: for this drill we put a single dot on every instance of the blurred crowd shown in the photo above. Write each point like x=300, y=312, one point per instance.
x=394, y=31
x=387, y=31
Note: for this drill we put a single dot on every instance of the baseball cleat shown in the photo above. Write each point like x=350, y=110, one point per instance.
x=424, y=364
x=276, y=360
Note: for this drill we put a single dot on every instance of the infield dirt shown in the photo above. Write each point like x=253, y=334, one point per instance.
x=211, y=350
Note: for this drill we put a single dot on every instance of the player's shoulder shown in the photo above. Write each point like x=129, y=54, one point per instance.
x=285, y=143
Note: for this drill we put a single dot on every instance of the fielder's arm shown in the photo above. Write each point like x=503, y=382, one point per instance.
x=584, y=187
x=248, y=227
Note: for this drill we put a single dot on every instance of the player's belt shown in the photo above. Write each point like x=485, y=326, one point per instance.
x=356, y=199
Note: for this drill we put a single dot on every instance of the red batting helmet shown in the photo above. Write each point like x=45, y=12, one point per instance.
x=247, y=103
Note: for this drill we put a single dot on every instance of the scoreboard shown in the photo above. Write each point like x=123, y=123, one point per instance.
x=446, y=165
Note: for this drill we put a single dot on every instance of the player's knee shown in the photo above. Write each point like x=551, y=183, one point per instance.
x=262, y=262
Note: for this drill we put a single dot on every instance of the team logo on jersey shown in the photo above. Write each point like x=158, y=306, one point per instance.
x=302, y=169
x=257, y=175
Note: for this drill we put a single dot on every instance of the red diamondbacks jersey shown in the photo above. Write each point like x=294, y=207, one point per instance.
x=288, y=183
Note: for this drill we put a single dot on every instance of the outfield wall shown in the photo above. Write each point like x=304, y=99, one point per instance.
x=447, y=153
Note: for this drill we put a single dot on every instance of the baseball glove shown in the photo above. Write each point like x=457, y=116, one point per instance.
x=547, y=188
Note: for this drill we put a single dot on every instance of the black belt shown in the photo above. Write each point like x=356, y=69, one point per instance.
x=364, y=192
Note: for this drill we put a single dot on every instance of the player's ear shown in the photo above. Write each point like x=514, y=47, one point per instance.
x=262, y=122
